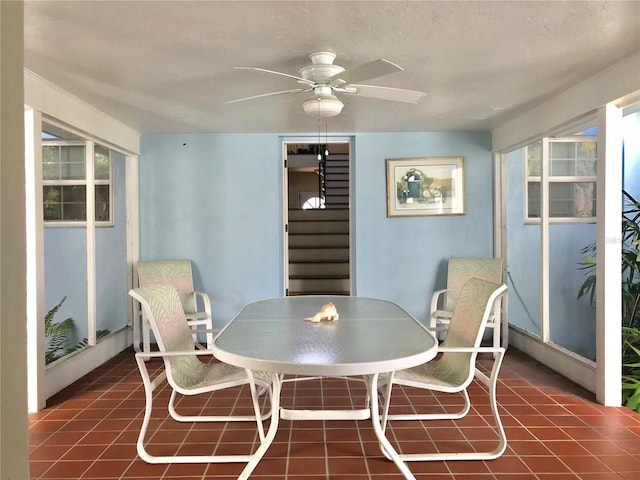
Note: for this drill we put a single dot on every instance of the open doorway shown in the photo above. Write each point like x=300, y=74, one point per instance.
x=317, y=245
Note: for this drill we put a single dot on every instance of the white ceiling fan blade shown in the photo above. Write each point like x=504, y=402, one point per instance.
x=365, y=71
x=273, y=72
x=385, y=93
x=295, y=90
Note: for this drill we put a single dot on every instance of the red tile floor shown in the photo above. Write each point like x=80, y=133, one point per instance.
x=555, y=430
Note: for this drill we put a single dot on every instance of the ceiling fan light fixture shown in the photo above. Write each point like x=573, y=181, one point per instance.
x=325, y=106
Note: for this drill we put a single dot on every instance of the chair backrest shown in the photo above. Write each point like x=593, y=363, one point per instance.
x=460, y=270
x=176, y=273
x=162, y=307
x=468, y=321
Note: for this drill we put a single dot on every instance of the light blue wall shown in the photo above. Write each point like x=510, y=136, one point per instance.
x=523, y=253
x=111, y=258
x=217, y=199
x=65, y=255
x=65, y=267
x=404, y=259
x=573, y=320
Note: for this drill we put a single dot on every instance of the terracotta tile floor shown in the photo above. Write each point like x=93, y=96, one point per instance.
x=555, y=429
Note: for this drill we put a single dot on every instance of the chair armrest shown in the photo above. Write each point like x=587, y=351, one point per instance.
x=205, y=300
x=206, y=330
x=472, y=349
x=175, y=353
x=435, y=298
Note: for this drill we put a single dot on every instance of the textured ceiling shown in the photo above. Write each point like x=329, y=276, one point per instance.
x=161, y=66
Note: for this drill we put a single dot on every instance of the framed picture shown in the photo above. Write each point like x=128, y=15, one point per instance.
x=425, y=186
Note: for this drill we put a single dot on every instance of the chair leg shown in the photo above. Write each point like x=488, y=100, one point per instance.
x=209, y=418
x=436, y=416
x=491, y=384
x=137, y=326
x=149, y=387
x=146, y=335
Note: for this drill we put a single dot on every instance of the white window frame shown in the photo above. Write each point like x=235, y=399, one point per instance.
x=89, y=181
x=547, y=180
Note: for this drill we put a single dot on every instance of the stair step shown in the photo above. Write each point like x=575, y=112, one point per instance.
x=318, y=292
x=314, y=254
x=318, y=214
x=319, y=270
x=298, y=227
x=337, y=191
x=316, y=240
x=319, y=284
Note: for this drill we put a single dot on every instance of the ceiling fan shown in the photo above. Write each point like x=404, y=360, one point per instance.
x=325, y=80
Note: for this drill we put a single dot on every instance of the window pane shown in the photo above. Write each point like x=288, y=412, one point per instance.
x=102, y=203
x=102, y=163
x=533, y=199
x=63, y=162
x=64, y=203
x=586, y=159
x=72, y=171
x=575, y=199
x=572, y=158
x=74, y=206
x=50, y=162
x=51, y=198
x=562, y=157
x=72, y=162
x=568, y=200
x=534, y=159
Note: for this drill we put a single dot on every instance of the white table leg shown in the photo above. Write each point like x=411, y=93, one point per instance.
x=276, y=388
x=385, y=446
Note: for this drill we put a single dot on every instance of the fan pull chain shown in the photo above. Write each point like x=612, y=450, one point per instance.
x=326, y=139
x=318, y=115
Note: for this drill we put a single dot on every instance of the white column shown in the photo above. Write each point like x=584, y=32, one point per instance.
x=609, y=262
x=133, y=232
x=91, y=242
x=544, y=240
x=35, y=259
x=14, y=460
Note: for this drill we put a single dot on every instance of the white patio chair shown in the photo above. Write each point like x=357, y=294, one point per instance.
x=178, y=274
x=455, y=369
x=459, y=271
x=186, y=374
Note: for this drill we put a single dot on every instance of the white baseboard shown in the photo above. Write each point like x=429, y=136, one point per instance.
x=568, y=364
x=67, y=370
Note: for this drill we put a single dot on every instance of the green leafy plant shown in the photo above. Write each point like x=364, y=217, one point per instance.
x=630, y=297
x=85, y=342
x=57, y=336
x=631, y=369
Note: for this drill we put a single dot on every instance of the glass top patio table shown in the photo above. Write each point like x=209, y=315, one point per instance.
x=371, y=337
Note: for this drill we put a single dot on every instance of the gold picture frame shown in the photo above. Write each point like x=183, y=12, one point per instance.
x=425, y=186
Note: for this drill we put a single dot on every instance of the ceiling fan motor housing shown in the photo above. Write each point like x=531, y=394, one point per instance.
x=321, y=68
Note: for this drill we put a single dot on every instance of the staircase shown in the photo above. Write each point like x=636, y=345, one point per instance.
x=319, y=252
x=319, y=238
